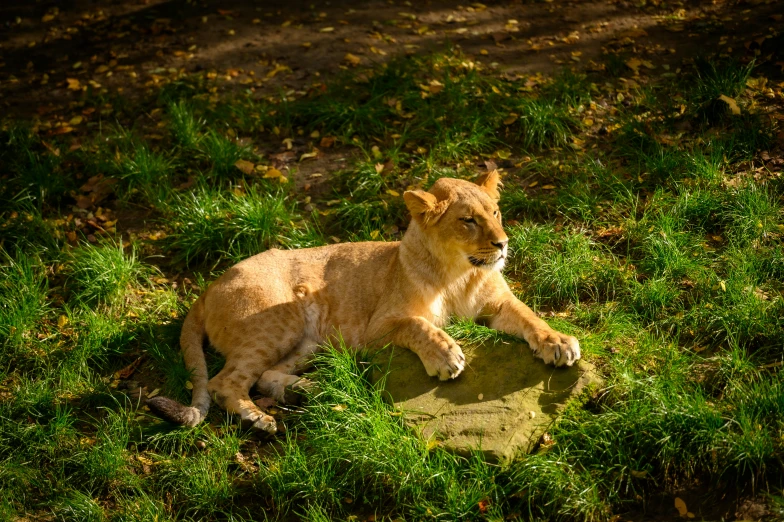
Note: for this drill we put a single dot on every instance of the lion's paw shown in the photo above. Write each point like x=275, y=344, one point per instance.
x=556, y=348
x=295, y=392
x=446, y=362
x=265, y=424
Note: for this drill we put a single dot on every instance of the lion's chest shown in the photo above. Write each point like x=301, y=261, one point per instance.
x=459, y=301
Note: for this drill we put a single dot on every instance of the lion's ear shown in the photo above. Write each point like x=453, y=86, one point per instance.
x=424, y=206
x=489, y=183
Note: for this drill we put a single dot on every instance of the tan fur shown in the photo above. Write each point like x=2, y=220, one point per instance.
x=269, y=313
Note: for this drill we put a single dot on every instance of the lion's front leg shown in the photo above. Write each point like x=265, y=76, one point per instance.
x=512, y=316
x=439, y=353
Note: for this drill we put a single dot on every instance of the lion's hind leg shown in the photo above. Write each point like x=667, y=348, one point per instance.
x=256, y=345
x=230, y=389
x=282, y=382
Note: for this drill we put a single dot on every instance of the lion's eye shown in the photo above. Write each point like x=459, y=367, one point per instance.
x=468, y=219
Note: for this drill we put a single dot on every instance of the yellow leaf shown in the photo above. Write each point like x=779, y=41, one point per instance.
x=374, y=234
x=339, y=407
x=352, y=59
x=74, y=84
x=422, y=30
x=283, y=180
x=680, y=505
x=393, y=192
x=436, y=87
x=533, y=184
x=731, y=103
x=495, y=89
x=62, y=321
x=376, y=152
x=723, y=286
x=634, y=64
x=188, y=385
x=326, y=29
x=153, y=393
x=273, y=173
x=379, y=168
x=588, y=122
x=245, y=166
x=510, y=119
x=289, y=143
x=309, y=155
x=503, y=154
x=47, y=18
x=548, y=187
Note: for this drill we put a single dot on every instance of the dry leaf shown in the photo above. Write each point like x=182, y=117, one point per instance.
x=310, y=155
x=273, y=173
x=327, y=142
x=245, y=166
x=339, y=407
x=352, y=59
x=680, y=505
x=731, y=103
x=128, y=370
x=74, y=84
x=548, y=187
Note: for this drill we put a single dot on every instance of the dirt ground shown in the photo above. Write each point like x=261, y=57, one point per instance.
x=52, y=50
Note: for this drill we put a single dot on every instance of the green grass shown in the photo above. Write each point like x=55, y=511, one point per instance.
x=211, y=224
x=658, y=244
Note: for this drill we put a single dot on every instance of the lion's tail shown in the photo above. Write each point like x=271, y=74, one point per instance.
x=192, y=344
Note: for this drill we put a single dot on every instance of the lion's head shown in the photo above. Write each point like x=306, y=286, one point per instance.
x=461, y=221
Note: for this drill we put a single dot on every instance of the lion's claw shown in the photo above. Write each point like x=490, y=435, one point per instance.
x=556, y=348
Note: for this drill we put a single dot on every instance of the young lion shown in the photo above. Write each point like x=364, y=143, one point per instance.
x=269, y=313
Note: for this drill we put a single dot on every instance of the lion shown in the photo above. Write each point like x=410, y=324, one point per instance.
x=269, y=314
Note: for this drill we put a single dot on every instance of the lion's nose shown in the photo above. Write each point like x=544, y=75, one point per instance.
x=500, y=244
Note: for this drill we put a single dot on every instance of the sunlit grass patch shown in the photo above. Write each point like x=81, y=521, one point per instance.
x=751, y=214
x=560, y=267
x=184, y=125
x=24, y=301
x=105, y=273
x=210, y=224
x=148, y=172
x=353, y=447
x=543, y=123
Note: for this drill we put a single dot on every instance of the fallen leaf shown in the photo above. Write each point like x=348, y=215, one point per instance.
x=128, y=370
x=680, y=505
x=188, y=385
x=310, y=155
x=327, y=142
x=62, y=321
x=74, y=84
x=273, y=173
x=548, y=187
x=339, y=407
x=245, y=166
x=352, y=59
x=731, y=103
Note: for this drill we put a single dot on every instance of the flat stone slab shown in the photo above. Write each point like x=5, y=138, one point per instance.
x=501, y=403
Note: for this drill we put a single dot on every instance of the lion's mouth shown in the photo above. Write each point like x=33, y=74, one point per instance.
x=479, y=262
